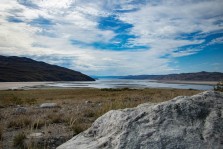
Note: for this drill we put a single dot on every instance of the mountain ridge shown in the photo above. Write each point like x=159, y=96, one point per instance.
x=197, y=76
x=22, y=69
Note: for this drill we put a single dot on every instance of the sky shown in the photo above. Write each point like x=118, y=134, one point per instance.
x=116, y=37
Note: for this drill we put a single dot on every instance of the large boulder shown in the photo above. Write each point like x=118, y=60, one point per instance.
x=194, y=122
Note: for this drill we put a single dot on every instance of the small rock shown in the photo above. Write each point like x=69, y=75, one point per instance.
x=49, y=105
x=20, y=110
x=36, y=135
x=87, y=102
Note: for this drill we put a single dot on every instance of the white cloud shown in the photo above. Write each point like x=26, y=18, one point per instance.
x=161, y=25
x=158, y=25
x=216, y=41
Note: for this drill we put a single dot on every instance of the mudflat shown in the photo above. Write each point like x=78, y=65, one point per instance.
x=16, y=85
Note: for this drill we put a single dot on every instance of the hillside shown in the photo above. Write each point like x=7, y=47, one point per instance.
x=21, y=69
x=199, y=76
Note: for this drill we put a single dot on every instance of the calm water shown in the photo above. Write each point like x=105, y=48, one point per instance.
x=119, y=83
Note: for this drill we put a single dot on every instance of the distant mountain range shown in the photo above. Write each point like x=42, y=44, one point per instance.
x=21, y=69
x=107, y=77
x=199, y=76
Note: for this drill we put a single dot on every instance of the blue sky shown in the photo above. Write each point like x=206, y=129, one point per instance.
x=110, y=37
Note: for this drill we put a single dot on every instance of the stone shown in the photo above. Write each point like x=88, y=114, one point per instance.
x=39, y=140
x=194, y=122
x=48, y=105
x=87, y=102
x=20, y=110
x=35, y=135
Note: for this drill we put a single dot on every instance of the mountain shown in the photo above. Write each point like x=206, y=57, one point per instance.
x=106, y=77
x=21, y=69
x=199, y=76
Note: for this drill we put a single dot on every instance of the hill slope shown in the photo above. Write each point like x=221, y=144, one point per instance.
x=17, y=69
x=199, y=76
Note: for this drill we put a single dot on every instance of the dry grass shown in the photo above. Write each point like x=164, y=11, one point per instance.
x=78, y=128
x=19, y=122
x=77, y=124
x=55, y=118
x=19, y=141
x=74, y=114
x=38, y=124
x=26, y=97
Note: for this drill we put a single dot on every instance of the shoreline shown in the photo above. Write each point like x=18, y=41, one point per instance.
x=20, y=85
x=46, y=85
x=211, y=83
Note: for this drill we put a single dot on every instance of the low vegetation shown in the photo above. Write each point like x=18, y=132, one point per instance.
x=19, y=141
x=19, y=122
x=38, y=124
x=78, y=109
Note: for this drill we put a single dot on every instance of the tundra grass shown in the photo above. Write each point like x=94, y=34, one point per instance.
x=77, y=110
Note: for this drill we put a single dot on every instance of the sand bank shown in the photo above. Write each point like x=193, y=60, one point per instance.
x=17, y=85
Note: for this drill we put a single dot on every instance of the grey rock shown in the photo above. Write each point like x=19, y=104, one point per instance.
x=20, y=110
x=39, y=140
x=87, y=102
x=35, y=135
x=49, y=105
x=194, y=122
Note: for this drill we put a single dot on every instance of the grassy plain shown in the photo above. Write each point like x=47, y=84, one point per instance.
x=77, y=110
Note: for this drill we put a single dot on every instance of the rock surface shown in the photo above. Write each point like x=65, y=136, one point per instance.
x=35, y=135
x=41, y=139
x=20, y=110
x=48, y=105
x=194, y=122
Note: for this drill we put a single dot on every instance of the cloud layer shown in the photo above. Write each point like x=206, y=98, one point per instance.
x=110, y=37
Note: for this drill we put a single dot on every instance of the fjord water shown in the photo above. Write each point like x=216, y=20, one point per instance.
x=124, y=83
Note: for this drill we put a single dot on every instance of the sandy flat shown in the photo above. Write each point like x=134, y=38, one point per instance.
x=189, y=82
x=16, y=85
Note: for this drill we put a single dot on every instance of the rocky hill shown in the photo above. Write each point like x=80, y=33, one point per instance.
x=17, y=69
x=199, y=76
x=184, y=122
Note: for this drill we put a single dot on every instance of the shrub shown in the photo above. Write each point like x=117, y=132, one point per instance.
x=89, y=113
x=38, y=124
x=78, y=128
x=31, y=101
x=19, y=141
x=20, y=122
x=219, y=86
x=16, y=100
x=56, y=118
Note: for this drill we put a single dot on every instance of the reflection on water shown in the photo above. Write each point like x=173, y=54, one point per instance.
x=119, y=83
